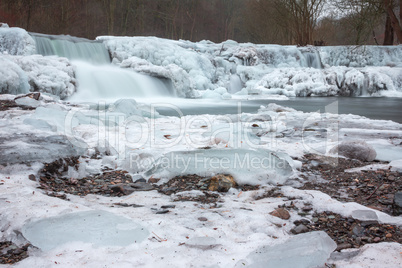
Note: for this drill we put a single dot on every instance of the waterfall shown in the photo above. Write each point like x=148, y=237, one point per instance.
x=97, y=78
x=73, y=48
x=107, y=82
x=312, y=59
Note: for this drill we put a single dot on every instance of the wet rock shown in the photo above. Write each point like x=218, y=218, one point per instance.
x=221, y=183
x=281, y=213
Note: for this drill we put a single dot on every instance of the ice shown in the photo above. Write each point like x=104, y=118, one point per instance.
x=100, y=228
x=246, y=166
x=27, y=101
x=36, y=73
x=16, y=41
x=364, y=215
x=13, y=80
x=303, y=251
x=204, y=243
x=40, y=124
x=27, y=148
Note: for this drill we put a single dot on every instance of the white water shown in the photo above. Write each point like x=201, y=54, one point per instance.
x=107, y=82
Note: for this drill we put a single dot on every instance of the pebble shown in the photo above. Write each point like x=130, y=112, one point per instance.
x=32, y=177
x=168, y=206
x=377, y=239
x=388, y=235
x=202, y=219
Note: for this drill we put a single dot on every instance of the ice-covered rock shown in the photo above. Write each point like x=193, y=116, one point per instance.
x=16, y=41
x=355, y=149
x=99, y=228
x=246, y=166
x=303, y=251
x=51, y=75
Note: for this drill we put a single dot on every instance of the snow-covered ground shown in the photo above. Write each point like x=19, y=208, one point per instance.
x=261, y=148
x=241, y=225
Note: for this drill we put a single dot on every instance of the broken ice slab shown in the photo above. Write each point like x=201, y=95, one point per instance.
x=101, y=228
x=203, y=243
x=246, y=166
x=28, y=148
x=302, y=251
x=364, y=215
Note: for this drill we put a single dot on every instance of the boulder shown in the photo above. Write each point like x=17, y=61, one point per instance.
x=355, y=149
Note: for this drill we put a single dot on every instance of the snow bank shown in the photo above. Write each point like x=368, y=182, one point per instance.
x=16, y=41
x=21, y=74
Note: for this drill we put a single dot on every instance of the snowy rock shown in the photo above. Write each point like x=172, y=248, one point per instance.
x=16, y=41
x=246, y=166
x=355, y=149
x=99, y=228
x=221, y=183
x=304, y=251
x=13, y=80
x=126, y=106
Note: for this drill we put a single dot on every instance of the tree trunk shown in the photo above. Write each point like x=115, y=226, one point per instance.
x=389, y=33
x=394, y=20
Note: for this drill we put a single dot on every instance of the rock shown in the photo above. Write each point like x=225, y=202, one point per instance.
x=168, y=206
x=165, y=211
x=388, y=235
x=343, y=246
x=377, y=239
x=202, y=219
x=153, y=180
x=355, y=149
x=141, y=186
x=397, y=205
x=281, y=213
x=122, y=189
x=32, y=177
x=300, y=229
x=358, y=231
x=221, y=183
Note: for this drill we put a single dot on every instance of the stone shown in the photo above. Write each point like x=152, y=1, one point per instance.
x=343, y=246
x=355, y=149
x=221, y=183
x=397, y=205
x=364, y=215
x=281, y=213
x=377, y=239
x=202, y=219
x=388, y=235
x=300, y=229
x=122, y=189
x=32, y=177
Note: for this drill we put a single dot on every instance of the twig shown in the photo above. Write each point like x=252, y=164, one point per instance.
x=375, y=190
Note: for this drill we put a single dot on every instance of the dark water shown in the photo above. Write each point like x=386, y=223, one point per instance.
x=371, y=107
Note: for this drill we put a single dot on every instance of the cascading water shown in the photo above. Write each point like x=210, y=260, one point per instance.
x=102, y=81
x=73, y=48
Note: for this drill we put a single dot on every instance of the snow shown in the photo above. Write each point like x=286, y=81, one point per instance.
x=16, y=41
x=130, y=135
